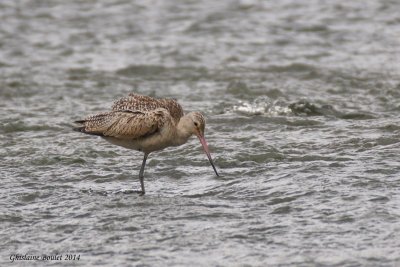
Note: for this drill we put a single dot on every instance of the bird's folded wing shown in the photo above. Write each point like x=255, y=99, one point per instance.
x=124, y=124
x=135, y=102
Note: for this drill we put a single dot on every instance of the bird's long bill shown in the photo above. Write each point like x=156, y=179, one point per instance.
x=205, y=147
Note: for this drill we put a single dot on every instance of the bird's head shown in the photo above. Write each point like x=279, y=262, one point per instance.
x=197, y=125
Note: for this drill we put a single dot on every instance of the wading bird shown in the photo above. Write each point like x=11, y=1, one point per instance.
x=146, y=124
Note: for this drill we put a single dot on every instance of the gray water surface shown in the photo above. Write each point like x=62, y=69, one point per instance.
x=302, y=106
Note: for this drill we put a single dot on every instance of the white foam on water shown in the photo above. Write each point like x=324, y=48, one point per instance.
x=263, y=106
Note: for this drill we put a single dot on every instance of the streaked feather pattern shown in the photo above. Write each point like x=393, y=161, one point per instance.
x=135, y=102
x=124, y=124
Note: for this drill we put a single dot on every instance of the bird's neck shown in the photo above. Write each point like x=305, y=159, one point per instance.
x=183, y=131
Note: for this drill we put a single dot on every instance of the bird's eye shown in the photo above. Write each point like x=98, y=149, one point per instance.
x=196, y=124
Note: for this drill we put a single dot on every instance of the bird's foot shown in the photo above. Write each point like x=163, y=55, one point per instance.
x=140, y=192
x=130, y=191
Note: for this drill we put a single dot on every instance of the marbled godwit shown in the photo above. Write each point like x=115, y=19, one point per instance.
x=146, y=124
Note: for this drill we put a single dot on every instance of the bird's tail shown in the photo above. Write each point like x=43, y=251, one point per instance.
x=86, y=127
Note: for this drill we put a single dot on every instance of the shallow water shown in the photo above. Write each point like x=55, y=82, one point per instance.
x=302, y=100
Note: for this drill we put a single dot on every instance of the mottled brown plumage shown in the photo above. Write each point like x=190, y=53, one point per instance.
x=135, y=102
x=146, y=124
x=124, y=124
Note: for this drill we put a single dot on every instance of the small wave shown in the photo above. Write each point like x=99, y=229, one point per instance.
x=262, y=106
x=53, y=160
x=310, y=109
x=160, y=72
x=358, y=116
x=293, y=67
x=265, y=106
x=237, y=87
x=21, y=126
x=12, y=218
x=304, y=107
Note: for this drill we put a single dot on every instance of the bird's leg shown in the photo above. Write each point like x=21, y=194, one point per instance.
x=141, y=174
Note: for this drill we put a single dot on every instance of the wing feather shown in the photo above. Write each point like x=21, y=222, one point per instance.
x=124, y=124
x=135, y=102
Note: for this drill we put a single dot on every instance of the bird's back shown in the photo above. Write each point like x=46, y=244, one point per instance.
x=135, y=102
